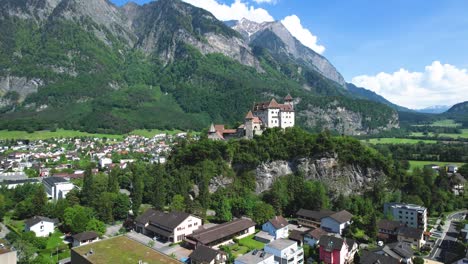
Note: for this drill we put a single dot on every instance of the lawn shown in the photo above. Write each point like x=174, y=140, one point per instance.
x=46, y=134
x=238, y=250
x=420, y=164
x=55, y=246
x=464, y=134
x=397, y=141
x=122, y=249
x=251, y=243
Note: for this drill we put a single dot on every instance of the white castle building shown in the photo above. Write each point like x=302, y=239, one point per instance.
x=263, y=115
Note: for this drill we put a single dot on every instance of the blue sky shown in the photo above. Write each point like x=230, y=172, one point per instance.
x=411, y=51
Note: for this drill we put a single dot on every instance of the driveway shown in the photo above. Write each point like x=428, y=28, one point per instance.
x=178, y=251
x=158, y=245
x=113, y=230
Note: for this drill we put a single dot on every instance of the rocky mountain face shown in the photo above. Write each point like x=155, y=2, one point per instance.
x=77, y=57
x=274, y=37
x=341, y=179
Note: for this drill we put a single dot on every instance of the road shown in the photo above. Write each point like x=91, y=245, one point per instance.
x=448, y=237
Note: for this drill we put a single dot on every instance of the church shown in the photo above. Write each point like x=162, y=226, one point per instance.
x=262, y=116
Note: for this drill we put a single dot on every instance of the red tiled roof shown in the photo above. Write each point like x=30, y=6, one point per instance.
x=288, y=97
x=249, y=115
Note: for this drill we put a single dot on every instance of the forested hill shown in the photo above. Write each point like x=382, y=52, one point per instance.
x=460, y=108
x=92, y=66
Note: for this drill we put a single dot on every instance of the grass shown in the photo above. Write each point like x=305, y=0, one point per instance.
x=397, y=141
x=46, y=134
x=238, y=250
x=251, y=243
x=420, y=164
x=54, y=247
x=464, y=134
x=122, y=249
x=444, y=123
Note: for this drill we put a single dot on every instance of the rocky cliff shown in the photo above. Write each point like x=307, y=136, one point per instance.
x=341, y=179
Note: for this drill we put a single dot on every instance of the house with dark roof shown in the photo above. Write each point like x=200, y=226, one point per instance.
x=277, y=227
x=169, y=226
x=336, y=250
x=337, y=222
x=311, y=218
x=12, y=184
x=388, y=230
x=369, y=257
x=84, y=238
x=221, y=234
x=313, y=236
x=57, y=187
x=207, y=255
x=42, y=226
x=400, y=251
x=411, y=235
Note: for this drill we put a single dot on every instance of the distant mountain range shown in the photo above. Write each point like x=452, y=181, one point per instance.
x=437, y=109
x=93, y=66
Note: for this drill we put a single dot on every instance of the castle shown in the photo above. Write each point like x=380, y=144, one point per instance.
x=263, y=115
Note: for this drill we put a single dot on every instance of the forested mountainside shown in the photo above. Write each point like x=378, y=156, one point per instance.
x=92, y=66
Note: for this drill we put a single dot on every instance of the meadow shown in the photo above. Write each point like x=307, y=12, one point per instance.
x=464, y=134
x=397, y=141
x=420, y=163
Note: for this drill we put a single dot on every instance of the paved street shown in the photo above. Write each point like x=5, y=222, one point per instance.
x=448, y=237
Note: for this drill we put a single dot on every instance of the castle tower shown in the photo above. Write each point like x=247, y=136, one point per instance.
x=248, y=125
x=289, y=101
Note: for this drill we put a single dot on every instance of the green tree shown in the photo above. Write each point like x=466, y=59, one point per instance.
x=178, y=203
x=39, y=200
x=88, y=193
x=121, y=206
x=223, y=210
x=262, y=212
x=76, y=218
x=96, y=226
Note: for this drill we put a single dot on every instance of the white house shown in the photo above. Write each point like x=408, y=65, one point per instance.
x=277, y=227
x=40, y=225
x=103, y=162
x=171, y=226
x=256, y=257
x=408, y=214
x=85, y=238
x=56, y=187
x=285, y=251
x=336, y=222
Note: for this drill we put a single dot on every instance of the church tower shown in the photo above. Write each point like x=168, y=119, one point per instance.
x=289, y=101
x=249, y=127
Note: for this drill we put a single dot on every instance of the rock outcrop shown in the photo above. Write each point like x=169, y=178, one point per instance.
x=22, y=85
x=341, y=179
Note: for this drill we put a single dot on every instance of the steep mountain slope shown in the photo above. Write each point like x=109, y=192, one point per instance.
x=460, y=108
x=363, y=93
x=91, y=66
x=282, y=45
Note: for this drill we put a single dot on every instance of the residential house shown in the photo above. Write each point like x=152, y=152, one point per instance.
x=369, y=257
x=285, y=251
x=56, y=187
x=221, y=234
x=104, y=162
x=388, y=230
x=298, y=236
x=277, y=227
x=12, y=184
x=256, y=257
x=40, y=225
x=336, y=222
x=311, y=218
x=84, y=238
x=400, y=251
x=170, y=226
x=336, y=250
x=312, y=237
x=457, y=182
x=451, y=168
x=409, y=214
x=207, y=255
x=411, y=235
x=7, y=256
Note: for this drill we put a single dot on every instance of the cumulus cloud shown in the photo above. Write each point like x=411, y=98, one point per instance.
x=293, y=24
x=266, y=1
x=235, y=11
x=438, y=84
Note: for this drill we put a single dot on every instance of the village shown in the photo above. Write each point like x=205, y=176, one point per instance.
x=405, y=234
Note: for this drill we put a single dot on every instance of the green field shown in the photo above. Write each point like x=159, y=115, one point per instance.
x=397, y=141
x=45, y=134
x=444, y=123
x=61, y=133
x=251, y=243
x=464, y=134
x=122, y=249
x=420, y=164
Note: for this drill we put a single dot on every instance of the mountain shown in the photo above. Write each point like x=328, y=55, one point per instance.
x=274, y=37
x=460, y=108
x=89, y=65
x=436, y=109
x=363, y=93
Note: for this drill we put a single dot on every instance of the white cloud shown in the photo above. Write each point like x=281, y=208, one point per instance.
x=438, y=84
x=235, y=11
x=293, y=24
x=266, y=1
